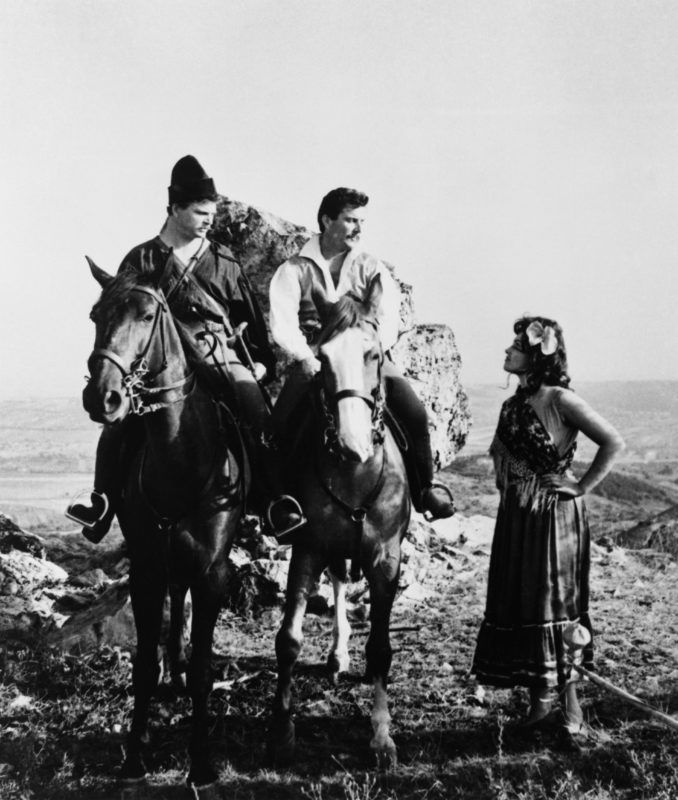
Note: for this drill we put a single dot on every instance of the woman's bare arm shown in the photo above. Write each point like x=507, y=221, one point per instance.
x=579, y=414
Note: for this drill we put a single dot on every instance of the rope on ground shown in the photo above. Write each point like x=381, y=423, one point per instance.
x=575, y=638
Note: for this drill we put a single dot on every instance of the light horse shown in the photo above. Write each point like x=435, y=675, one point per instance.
x=353, y=488
x=182, y=497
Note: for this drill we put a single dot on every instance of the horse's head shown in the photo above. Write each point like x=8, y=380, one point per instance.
x=351, y=357
x=130, y=346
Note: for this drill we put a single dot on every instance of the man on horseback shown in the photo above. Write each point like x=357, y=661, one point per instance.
x=328, y=266
x=207, y=292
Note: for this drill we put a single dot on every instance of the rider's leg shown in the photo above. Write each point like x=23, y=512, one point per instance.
x=284, y=513
x=97, y=517
x=409, y=410
x=294, y=390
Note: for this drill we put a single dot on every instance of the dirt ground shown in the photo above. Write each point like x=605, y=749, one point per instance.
x=63, y=719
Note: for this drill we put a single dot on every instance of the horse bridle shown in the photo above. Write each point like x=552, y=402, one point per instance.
x=134, y=377
x=375, y=402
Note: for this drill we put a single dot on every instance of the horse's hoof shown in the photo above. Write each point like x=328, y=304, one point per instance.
x=386, y=755
x=210, y=791
x=336, y=665
x=281, y=743
x=133, y=770
x=134, y=790
x=201, y=776
x=178, y=684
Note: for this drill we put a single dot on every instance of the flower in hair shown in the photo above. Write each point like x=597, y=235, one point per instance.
x=543, y=335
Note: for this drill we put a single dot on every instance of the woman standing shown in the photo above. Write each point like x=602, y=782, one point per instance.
x=539, y=567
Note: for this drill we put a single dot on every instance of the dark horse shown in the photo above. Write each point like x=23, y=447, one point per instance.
x=353, y=488
x=182, y=498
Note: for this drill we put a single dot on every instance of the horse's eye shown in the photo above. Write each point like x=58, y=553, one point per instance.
x=148, y=317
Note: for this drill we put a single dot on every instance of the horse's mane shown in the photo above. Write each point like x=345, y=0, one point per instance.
x=346, y=313
x=118, y=290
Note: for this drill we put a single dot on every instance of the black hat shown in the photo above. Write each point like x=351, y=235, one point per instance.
x=190, y=182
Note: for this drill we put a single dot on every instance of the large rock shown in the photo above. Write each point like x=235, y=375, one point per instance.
x=428, y=357
x=29, y=585
x=427, y=354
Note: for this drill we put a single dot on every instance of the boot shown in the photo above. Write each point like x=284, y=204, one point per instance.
x=437, y=502
x=95, y=518
x=283, y=516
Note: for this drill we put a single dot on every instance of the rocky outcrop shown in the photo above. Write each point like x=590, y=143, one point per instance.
x=428, y=357
x=29, y=584
x=83, y=602
x=659, y=533
x=62, y=591
x=427, y=354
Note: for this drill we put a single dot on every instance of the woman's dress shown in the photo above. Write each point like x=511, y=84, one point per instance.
x=539, y=566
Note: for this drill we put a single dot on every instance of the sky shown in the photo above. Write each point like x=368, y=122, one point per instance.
x=520, y=157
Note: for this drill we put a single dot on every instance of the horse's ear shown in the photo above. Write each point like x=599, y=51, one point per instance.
x=374, y=293
x=100, y=275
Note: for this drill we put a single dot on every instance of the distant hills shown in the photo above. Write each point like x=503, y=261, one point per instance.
x=46, y=435
x=55, y=435
x=644, y=412
x=47, y=449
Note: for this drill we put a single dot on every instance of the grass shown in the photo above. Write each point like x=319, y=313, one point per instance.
x=63, y=718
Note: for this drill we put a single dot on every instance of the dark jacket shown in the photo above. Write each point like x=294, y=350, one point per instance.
x=219, y=276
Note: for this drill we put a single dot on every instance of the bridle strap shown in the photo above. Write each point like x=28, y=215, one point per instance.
x=109, y=355
x=168, y=387
x=133, y=376
x=154, y=293
x=114, y=358
x=354, y=393
x=356, y=513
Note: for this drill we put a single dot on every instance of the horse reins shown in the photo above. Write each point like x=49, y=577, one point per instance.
x=133, y=378
x=375, y=403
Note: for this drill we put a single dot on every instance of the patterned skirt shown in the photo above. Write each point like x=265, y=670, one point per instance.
x=537, y=584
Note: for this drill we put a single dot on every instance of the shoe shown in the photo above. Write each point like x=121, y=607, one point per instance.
x=579, y=736
x=283, y=516
x=437, y=502
x=96, y=518
x=541, y=717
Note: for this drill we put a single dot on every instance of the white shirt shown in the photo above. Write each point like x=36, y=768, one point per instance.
x=285, y=295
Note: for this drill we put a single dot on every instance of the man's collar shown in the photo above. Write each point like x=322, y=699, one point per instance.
x=312, y=250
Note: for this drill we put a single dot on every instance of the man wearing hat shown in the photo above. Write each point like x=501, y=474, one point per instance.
x=181, y=258
x=328, y=266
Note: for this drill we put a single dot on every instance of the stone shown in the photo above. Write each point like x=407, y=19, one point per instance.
x=659, y=533
x=30, y=574
x=94, y=578
x=429, y=359
x=257, y=585
x=12, y=537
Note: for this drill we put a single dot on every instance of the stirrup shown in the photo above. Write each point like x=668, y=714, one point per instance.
x=428, y=516
x=90, y=525
x=280, y=535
